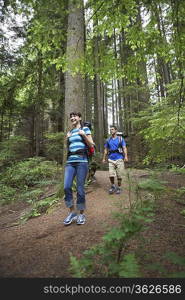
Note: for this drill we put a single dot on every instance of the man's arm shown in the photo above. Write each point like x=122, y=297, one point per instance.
x=105, y=155
x=125, y=152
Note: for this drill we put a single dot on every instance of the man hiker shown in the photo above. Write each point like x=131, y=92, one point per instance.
x=116, y=150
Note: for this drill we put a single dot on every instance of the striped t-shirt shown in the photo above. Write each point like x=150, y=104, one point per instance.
x=76, y=143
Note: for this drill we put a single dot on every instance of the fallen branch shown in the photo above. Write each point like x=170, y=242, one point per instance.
x=50, y=195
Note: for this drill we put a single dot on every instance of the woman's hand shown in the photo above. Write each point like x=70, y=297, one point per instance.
x=81, y=132
x=88, y=139
x=68, y=134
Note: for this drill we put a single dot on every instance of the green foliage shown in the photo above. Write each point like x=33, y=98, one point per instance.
x=182, y=212
x=39, y=207
x=26, y=180
x=28, y=173
x=174, y=258
x=129, y=267
x=31, y=194
x=179, y=195
x=7, y=194
x=109, y=258
x=177, y=169
x=140, y=43
x=152, y=185
x=11, y=150
x=177, y=260
x=106, y=259
x=164, y=132
x=75, y=267
x=53, y=146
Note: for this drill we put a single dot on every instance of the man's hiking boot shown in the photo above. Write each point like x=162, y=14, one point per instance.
x=70, y=218
x=118, y=190
x=112, y=189
x=80, y=219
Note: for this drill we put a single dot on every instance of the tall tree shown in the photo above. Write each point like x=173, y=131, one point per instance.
x=74, y=80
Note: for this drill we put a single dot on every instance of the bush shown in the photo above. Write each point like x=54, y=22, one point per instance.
x=29, y=172
x=7, y=194
x=53, y=146
x=12, y=150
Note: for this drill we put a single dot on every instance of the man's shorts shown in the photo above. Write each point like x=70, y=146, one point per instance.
x=116, y=168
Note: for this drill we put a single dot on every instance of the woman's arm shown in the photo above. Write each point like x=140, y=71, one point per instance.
x=87, y=138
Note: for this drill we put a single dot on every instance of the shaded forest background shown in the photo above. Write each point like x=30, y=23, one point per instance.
x=118, y=62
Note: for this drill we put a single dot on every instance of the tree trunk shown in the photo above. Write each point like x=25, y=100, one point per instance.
x=74, y=82
x=98, y=101
x=38, y=110
x=61, y=87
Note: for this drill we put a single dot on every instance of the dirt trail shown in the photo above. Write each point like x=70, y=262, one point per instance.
x=41, y=246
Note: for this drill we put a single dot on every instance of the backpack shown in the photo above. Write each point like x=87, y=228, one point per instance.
x=89, y=151
x=120, y=149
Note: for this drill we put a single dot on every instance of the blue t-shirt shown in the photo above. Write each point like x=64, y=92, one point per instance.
x=76, y=143
x=114, y=144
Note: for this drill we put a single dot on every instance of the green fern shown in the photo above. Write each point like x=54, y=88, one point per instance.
x=176, y=259
x=75, y=267
x=129, y=267
x=42, y=206
x=152, y=185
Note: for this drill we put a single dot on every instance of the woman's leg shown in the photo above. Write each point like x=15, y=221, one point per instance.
x=81, y=174
x=70, y=172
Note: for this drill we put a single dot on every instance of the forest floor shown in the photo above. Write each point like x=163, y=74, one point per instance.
x=41, y=247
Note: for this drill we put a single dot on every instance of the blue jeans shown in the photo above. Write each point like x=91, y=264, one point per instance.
x=80, y=170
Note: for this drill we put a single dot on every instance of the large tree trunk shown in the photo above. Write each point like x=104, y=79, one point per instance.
x=74, y=82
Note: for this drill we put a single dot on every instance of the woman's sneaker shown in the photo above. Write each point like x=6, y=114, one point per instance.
x=70, y=218
x=80, y=219
x=112, y=189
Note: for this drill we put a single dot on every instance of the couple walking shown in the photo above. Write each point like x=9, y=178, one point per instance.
x=78, y=139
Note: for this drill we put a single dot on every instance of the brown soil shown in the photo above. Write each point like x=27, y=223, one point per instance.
x=41, y=247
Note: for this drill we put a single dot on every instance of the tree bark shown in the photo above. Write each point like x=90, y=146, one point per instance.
x=38, y=109
x=74, y=81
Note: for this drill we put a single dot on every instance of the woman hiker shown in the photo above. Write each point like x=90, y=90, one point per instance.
x=79, y=137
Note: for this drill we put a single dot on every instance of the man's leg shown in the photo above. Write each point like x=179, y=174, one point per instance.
x=111, y=180
x=119, y=174
x=112, y=175
x=119, y=182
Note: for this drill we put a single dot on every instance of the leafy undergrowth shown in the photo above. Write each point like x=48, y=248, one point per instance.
x=144, y=237
x=28, y=181
x=123, y=250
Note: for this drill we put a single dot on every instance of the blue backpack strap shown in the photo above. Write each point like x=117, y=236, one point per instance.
x=120, y=141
